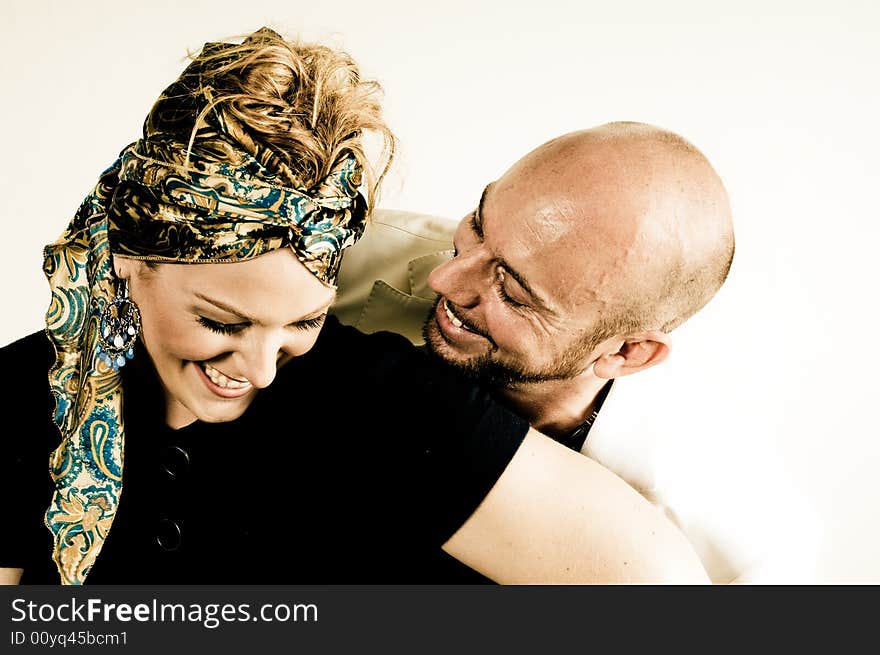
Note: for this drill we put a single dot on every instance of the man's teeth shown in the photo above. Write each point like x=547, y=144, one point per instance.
x=221, y=380
x=451, y=316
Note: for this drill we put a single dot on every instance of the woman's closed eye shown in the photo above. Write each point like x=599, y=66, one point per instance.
x=310, y=323
x=222, y=328
x=235, y=328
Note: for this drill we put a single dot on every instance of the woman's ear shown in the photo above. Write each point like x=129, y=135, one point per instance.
x=638, y=352
x=122, y=267
x=126, y=267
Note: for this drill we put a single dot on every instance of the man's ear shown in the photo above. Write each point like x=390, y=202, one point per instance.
x=638, y=352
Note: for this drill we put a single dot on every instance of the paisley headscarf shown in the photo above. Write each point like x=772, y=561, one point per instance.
x=167, y=202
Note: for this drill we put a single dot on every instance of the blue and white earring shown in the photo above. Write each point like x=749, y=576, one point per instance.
x=118, y=329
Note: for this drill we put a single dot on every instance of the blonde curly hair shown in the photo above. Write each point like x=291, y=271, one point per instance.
x=297, y=107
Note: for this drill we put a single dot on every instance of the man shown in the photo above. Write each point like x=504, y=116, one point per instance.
x=569, y=275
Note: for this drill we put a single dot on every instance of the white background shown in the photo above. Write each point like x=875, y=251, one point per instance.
x=781, y=96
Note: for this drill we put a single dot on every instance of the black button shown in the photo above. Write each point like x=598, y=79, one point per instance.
x=175, y=462
x=168, y=535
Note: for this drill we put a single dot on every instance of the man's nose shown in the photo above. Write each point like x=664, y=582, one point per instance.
x=461, y=279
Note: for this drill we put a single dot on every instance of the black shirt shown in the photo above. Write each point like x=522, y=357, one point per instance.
x=359, y=461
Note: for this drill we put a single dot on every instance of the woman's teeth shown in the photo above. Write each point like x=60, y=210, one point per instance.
x=221, y=380
x=451, y=316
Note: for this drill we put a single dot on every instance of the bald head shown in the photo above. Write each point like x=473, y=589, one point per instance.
x=581, y=257
x=647, y=204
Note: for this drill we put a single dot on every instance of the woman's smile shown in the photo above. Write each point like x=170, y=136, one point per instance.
x=275, y=304
x=220, y=384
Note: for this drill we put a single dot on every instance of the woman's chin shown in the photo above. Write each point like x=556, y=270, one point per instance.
x=180, y=414
x=222, y=411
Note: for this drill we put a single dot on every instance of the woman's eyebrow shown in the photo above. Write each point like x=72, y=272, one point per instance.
x=226, y=308
x=244, y=317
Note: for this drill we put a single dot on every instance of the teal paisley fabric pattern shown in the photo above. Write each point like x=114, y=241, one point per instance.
x=204, y=211
x=86, y=468
x=157, y=204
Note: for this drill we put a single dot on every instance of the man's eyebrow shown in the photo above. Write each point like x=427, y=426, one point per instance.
x=525, y=285
x=477, y=220
x=244, y=317
x=477, y=224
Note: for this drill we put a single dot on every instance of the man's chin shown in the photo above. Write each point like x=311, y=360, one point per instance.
x=439, y=347
x=480, y=368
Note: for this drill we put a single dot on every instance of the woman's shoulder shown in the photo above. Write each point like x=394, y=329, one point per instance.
x=383, y=365
x=336, y=334
x=28, y=353
x=30, y=358
x=341, y=347
x=25, y=389
x=25, y=443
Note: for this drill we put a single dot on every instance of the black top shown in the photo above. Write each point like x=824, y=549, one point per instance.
x=359, y=461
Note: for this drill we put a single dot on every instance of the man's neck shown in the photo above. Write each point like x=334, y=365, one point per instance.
x=555, y=407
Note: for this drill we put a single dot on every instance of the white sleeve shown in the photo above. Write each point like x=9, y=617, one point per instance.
x=721, y=481
x=743, y=514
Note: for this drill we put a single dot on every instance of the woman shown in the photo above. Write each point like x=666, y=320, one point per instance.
x=185, y=339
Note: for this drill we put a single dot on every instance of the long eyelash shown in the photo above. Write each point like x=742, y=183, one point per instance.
x=233, y=328
x=311, y=324
x=220, y=328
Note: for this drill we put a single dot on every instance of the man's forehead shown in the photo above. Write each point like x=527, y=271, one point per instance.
x=506, y=244
x=547, y=217
x=565, y=257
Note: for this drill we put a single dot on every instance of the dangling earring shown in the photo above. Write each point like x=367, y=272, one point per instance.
x=118, y=329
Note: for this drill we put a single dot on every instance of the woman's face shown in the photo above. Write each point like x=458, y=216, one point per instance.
x=217, y=333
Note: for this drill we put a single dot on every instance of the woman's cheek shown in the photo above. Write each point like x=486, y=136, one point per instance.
x=191, y=342
x=201, y=350
x=303, y=346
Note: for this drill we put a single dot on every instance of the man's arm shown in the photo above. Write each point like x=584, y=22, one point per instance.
x=556, y=517
x=394, y=251
x=10, y=576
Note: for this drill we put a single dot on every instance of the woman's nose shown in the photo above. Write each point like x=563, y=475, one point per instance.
x=260, y=360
